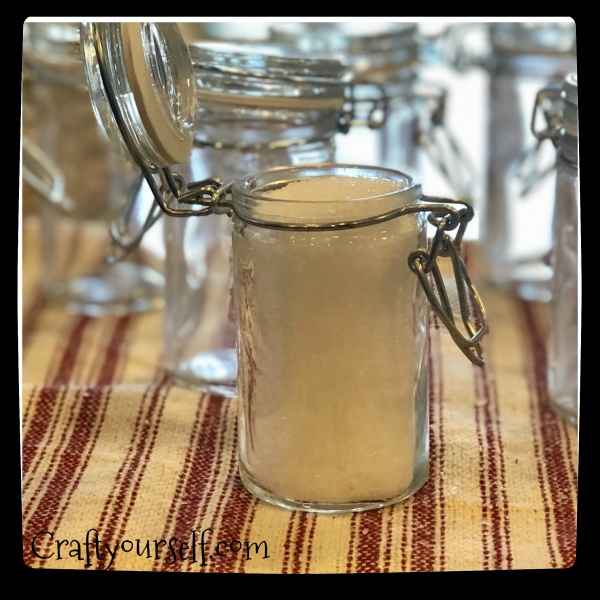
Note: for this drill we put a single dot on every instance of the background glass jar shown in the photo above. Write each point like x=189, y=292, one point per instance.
x=257, y=108
x=94, y=185
x=519, y=58
x=564, y=326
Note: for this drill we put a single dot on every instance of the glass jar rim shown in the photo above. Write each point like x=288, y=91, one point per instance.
x=251, y=204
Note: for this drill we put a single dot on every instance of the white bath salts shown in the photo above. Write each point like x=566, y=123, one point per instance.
x=332, y=351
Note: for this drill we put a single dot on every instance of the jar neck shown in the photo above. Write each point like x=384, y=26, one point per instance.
x=246, y=127
x=568, y=150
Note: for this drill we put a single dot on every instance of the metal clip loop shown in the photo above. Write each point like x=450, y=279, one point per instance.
x=472, y=312
x=377, y=107
x=122, y=242
x=442, y=148
x=167, y=188
x=547, y=103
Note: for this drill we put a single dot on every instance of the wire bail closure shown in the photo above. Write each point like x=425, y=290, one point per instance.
x=425, y=262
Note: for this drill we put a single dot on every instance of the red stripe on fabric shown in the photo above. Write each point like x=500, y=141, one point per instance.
x=311, y=539
x=369, y=530
x=121, y=500
x=550, y=455
x=495, y=512
x=71, y=459
x=483, y=492
x=389, y=539
x=300, y=533
x=572, y=460
x=196, y=479
x=287, y=544
x=423, y=525
x=49, y=393
x=437, y=383
x=354, y=521
x=235, y=519
x=407, y=513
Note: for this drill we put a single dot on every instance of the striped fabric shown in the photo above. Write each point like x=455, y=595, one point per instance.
x=123, y=471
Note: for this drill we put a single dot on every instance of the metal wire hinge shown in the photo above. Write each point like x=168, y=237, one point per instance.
x=169, y=190
x=426, y=266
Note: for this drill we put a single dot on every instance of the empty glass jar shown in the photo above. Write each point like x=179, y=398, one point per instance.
x=256, y=108
x=87, y=185
x=516, y=211
x=564, y=330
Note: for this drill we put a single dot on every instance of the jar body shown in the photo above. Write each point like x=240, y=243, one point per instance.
x=563, y=345
x=200, y=328
x=332, y=349
x=75, y=239
x=517, y=214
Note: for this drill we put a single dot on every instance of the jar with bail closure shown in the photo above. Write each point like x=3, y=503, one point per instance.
x=332, y=399
x=83, y=186
x=256, y=108
x=563, y=347
x=398, y=115
x=516, y=211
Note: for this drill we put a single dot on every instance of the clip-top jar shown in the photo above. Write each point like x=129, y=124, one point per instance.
x=564, y=325
x=331, y=270
x=517, y=207
x=85, y=186
x=256, y=108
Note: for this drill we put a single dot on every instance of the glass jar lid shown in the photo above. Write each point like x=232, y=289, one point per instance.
x=369, y=48
x=533, y=37
x=264, y=73
x=141, y=85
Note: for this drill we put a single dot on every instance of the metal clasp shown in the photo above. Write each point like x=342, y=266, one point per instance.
x=425, y=262
x=375, y=106
x=441, y=147
x=548, y=109
x=546, y=121
x=168, y=188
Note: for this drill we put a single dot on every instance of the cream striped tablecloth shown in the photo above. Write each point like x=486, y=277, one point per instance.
x=124, y=471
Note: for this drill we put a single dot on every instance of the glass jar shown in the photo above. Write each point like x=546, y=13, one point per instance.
x=333, y=326
x=398, y=115
x=332, y=408
x=564, y=330
x=516, y=210
x=71, y=156
x=312, y=247
x=256, y=108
